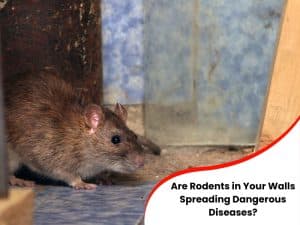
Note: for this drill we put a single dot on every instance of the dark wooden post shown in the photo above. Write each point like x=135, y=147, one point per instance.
x=3, y=158
x=61, y=33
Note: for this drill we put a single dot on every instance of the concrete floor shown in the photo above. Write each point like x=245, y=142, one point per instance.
x=107, y=205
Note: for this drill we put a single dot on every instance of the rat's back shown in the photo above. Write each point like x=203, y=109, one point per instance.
x=36, y=107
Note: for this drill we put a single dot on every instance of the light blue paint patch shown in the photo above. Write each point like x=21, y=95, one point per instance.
x=168, y=40
x=122, y=23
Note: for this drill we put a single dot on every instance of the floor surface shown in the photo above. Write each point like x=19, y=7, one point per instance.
x=107, y=205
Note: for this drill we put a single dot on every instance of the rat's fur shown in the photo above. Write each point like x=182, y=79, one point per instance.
x=50, y=130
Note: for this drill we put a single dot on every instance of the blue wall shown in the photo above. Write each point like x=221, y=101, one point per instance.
x=240, y=40
x=122, y=22
x=158, y=50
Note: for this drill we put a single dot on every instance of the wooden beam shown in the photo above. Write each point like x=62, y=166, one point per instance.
x=17, y=209
x=283, y=101
x=64, y=34
x=3, y=154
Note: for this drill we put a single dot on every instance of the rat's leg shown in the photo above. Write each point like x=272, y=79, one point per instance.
x=14, y=163
x=74, y=181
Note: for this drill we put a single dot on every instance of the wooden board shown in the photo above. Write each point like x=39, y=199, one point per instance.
x=18, y=208
x=3, y=157
x=283, y=102
x=62, y=34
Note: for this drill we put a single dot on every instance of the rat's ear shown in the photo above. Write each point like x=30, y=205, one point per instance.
x=121, y=112
x=93, y=117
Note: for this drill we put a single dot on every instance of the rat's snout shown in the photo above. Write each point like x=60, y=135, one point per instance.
x=139, y=160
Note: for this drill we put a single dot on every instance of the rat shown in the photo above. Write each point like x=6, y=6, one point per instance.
x=54, y=133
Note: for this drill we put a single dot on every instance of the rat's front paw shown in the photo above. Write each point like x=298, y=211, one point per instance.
x=79, y=185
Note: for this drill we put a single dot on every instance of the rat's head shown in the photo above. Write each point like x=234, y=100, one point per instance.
x=113, y=143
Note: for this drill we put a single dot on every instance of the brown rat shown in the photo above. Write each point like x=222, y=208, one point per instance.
x=50, y=130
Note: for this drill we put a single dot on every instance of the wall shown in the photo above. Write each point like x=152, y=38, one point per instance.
x=122, y=23
x=64, y=34
x=207, y=59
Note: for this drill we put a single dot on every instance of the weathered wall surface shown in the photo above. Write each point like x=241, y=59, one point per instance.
x=65, y=34
x=122, y=23
x=211, y=56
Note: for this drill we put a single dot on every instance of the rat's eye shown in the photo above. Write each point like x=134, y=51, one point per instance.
x=116, y=139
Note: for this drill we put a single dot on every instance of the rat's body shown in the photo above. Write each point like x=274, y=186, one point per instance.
x=52, y=132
